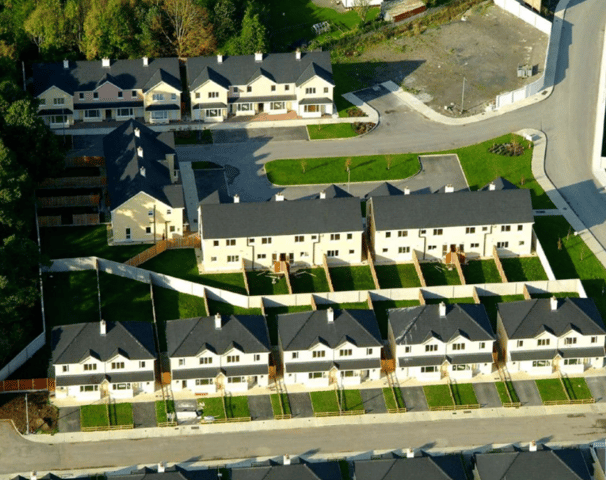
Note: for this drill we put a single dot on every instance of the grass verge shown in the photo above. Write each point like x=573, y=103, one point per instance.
x=401, y=275
x=163, y=409
x=336, y=130
x=212, y=407
x=121, y=414
x=438, y=395
x=577, y=388
x=351, y=278
x=324, y=401
x=464, y=394
x=551, y=389
x=309, y=280
x=94, y=416
x=351, y=400
x=275, y=404
x=236, y=407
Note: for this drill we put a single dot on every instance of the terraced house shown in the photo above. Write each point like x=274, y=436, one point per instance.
x=542, y=336
x=274, y=83
x=208, y=354
x=95, y=91
x=430, y=342
x=103, y=359
x=299, y=232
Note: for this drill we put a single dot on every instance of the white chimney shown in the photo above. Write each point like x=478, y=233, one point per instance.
x=161, y=467
x=65, y=63
x=323, y=194
x=410, y=453
x=492, y=186
x=406, y=191
x=219, y=58
x=105, y=62
x=137, y=132
x=442, y=308
x=145, y=62
x=33, y=475
x=532, y=447
x=140, y=151
x=554, y=303
x=236, y=198
x=330, y=315
x=102, y=327
x=217, y=321
x=448, y=188
x=279, y=197
x=258, y=57
x=286, y=460
x=298, y=54
x=142, y=171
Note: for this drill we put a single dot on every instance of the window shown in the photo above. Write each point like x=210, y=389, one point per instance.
x=502, y=244
x=273, y=88
x=173, y=96
x=431, y=348
x=266, y=240
x=432, y=247
x=261, y=256
x=230, y=242
x=95, y=95
x=277, y=106
x=117, y=365
x=470, y=230
x=351, y=252
x=520, y=343
x=484, y=229
x=407, y=349
x=233, y=358
x=65, y=368
x=124, y=112
x=456, y=368
x=458, y=346
x=474, y=245
x=482, y=345
x=350, y=236
x=234, y=89
x=213, y=94
x=294, y=355
x=521, y=242
x=286, y=88
x=318, y=354
x=213, y=259
x=58, y=119
x=158, y=97
x=206, y=360
x=203, y=381
x=385, y=250
x=572, y=361
x=345, y=352
x=520, y=228
x=347, y=373
x=313, y=375
x=422, y=232
x=304, y=255
x=335, y=236
x=541, y=363
x=332, y=253
x=299, y=238
x=543, y=342
x=233, y=258
x=168, y=211
x=90, y=366
x=429, y=369
x=148, y=230
x=235, y=380
x=120, y=95
x=159, y=115
x=81, y=95
x=310, y=91
x=133, y=93
x=89, y=388
x=387, y=234
x=127, y=233
x=257, y=358
x=505, y=228
x=121, y=386
x=197, y=95
x=369, y=351
x=92, y=113
x=403, y=249
x=438, y=231
x=570, y=341
x=215, y=243
x=141, y=364
x=594, y=339
x=314, y=237
x=249, y=89
x=325, y=89
x=402, y=233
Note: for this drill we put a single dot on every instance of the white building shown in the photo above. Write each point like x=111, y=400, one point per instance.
x=299, y=232
x=545, y=335
x=324, y=347
x=95, y=360
x=430, y=342
x=435, y=224
x=208, y=354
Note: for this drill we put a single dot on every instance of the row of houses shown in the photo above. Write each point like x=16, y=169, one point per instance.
x=151, y=90
x=320, y=348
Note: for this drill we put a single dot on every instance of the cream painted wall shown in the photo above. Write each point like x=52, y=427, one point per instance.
x=168, y=92
x=49, y=96
x=134, y=214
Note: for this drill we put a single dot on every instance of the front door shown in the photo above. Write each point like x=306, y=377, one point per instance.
x=282, y=257
x=183, y=383
x=461, y=248
x=453, y=248
x=261, y=105
x=108, y=114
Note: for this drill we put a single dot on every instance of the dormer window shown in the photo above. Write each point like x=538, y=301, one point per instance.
x=120, y=95
x=158, y=97
x=90, y=367
x=318, y=354
x=65, y=369
x=273, y=88
x=543, y=342
x=570, y=341
x=458, y=346
x=206, y=360
x=133, y=93
x=233, y=358
x=213, y=94
x=249, y=89
x=286, y=88
x=95, y=95
x=173, y=96
x=117, y=365
x=59, y=101
x=431, y=348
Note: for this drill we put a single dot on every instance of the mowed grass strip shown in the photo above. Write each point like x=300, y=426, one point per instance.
x=437, y=274
x=390, y=398
x=121, y=414
x=309, y=280
x=324, y=401
x=502, y=391
x=464, y=394
x=438, y=395
x=577, y=388
x=551, y=389
x=336, y=130
x=124, y=299
x=401, y=275
x=212, y=407
x=228, y=309
x=351, y=400
x=351, y=278
x=264, y=283
x=481, y=271
x=523, y=269
x=94, y=416
x=275, y=404
x=237, y=407
x=163, y=408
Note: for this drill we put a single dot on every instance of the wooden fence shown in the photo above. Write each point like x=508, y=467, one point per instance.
x=72, y=201
x=421, y=297
x=445, y=408
x=512, y=404
x=74, y=182
x=287, y=274
x=371, y=264
x=499, y=265
x=526, y=293
x=415, y=260
x=167, y=424
x=86, y=219
x=49, y=221
x=476, y=297
x=388, y=365
x=286, y=416
x=457, y=264
x=327, y=272
x=243, y=272
x=581, y=401
x=396, y=410
x=191, y=241
x=27, y=385
x=85, y=162
x=227, y=420
x=106, y=428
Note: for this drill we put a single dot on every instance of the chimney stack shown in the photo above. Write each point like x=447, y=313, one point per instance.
x=492, y=186
x=410, y=453
x=137, y=132
x=298, y=54
x=161, y=467
x=105, y=62
x=448, y=188
x=33, y=475
x=406, y=191
x=65, y=63
x=286, y=460
x=279, y=197
x=553, y=301
x=145, y=62
x=219, y=58
x=102, y=327
x=140, y=151
x=142, y=171
x=323, y=194
x=442, y=308
x=258, y=57
x=236, y=198
x=217, y=321
x=330, y=315
x=532, y=447
x=170, y=159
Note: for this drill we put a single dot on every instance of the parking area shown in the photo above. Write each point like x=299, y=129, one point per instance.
x=144, y=414
x=528, y=393
x=69, y=419
x=373, y=400
x=414, y=399
x=597, y=385
x=487, y=395
x=260, y=134
x=260, y=407
x=186, y=412
x=300, y=405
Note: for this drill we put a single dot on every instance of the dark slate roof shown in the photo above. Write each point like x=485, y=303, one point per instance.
x=565, y=464
x=421, y=360
x=386, y=189
x=241, y=70
x=100, y=105
x=315, y=101
x=211, y=186
x=444, y=467
x=581, y=352
x=527, y=318
x=97, y=378
x=74, y=343
x=162, y=106
x=500, y=183
x=233, y=220
x=525, y=355
x=90, y=379
x=300, y=331
x=187, y=373
x=199, y=106
x=469, y=358
x=452, y=209
x=300, y=471
x=414, y=325
x=188, y=337
x=335, y=192
x=57, y=111
x=124, y=177
x=308, y=366
x=267, y=98
x=171, y=473
x=358, y=364
x=245, y=370
x=86, y=75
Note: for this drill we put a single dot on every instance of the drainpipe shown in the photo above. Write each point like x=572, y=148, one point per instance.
x=313, y=250
x=155, y=224
x=252, y=247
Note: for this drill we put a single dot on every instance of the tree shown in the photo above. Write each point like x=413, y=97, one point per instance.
x=187, y=28
x=253, y=36
x=303, y=165
x=15, y=191
x=362, y=7
x=45, y=26
x=225, y=20
x=389, y=160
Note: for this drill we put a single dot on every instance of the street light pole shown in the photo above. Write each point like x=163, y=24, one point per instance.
x=348, y=178
x=463, y=97
x=26, y=417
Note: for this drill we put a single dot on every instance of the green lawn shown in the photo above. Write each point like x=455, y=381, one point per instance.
x=335, y=130
x=93, y=416
x=490, y=302
x=381, y=308
x=449, y=301
x=162, y=410
x=577, y=388
x=436, y=273
x=228, y=309
x=70, y=297
x=350, y=76
x=121, y=414
x=181, y=263
x=438, y=395
x=264, y=283
x=237, y=407
x=464, y=394
x=551, y=389
x=193, y=137
x=272, y=323
x=344, y=467
x=481, y=271
x=70, y=242
x=343, y=306
x=309, y=280
x=523, y=269
x=324, y=401
x=364, y=168
x=502, y=391
x=393, y=398
x=124, y=299
x=351, y=278
x=213, y=407
x=401, y=275
x=275, y=404
x=351, y=400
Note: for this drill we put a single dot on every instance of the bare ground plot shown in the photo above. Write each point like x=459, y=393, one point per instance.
x=414, y=398
x=486, y=49
x=528, y=392
x=373, y=400
x=260, y=407
x=487, y=395
x=300, y=405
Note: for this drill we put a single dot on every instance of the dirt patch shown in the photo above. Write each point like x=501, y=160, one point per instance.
x=43, y=416
x=485, y=47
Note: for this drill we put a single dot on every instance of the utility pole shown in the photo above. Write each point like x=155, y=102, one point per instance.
x=348, y=177
x=26, y=417
x=463, y=97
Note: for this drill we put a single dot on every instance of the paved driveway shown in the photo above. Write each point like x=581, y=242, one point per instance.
x=373, y=400
x=260, y=134
x=144, y=414
x=300, y=405
x=597, y=385
x=414, y=398
x=528, y=392
x=260, y=407
x=69, y=419
x=487, y=394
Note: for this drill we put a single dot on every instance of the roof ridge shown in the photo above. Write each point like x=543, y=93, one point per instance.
x=84, y=325
x=358, y=322
x=247, y=329
x=433, y=460
x=533, y=306
x=135, y=338
x=474, y=320
x=198, y=319
x=301, y=328
x=504, y=476
x=553, y=453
